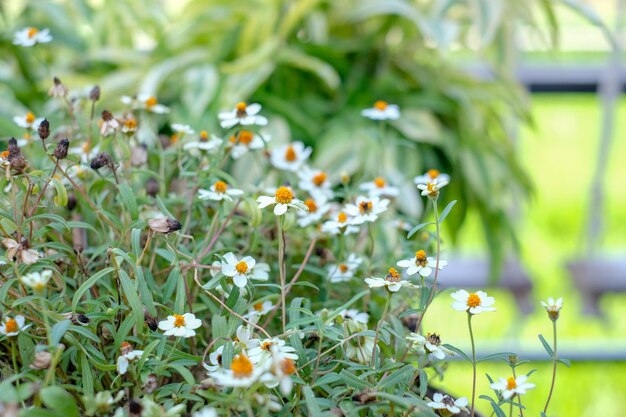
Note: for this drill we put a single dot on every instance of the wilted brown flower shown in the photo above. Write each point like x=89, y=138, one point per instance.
x=20, y=251
x=94, y=94
x=58, y=89
x=164, y=225
x=15, y=158
x=150, y=320
x=151, y=384
x=42, y=360
x=61, y=150
x=102, y=159
x=44, y=129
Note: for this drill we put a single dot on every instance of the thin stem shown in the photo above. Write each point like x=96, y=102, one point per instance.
x=469, y=325
x=378, y=329
x=43, y=190
x=554, y=363
x=281, y=269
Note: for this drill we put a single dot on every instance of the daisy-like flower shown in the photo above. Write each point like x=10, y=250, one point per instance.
x=204, y=144
x=219, y=191
x=474, y=303
x=4, y=158
x=244, y=339
x=182, y=129
x=242, y=373
x=290, y=157
x=37, y=280
x=344, y=271
x=245, y=141
x=279, y=372
x=145, y=102
x=108, y=124
x=358, y=348
x=259, y=309
x=31, y=36
x=553, y=307
x=341, y=225
x=128, y=354
x=392, y=282
x=130, y=126
x=355, y=315
x=20, y=251
x=430, y=176
x=205, y=412
x=316, y=183
x=421, y=264
x=366, y=209
x=180, y=325
x=317, y=210
x=512, y=386
x=445, y=402
x=283, y=199
x=382, y=111
x=431, y=344
x=431, y=188
x=243, y=114
x=261, y=353
x=379, y=188
x=215, y=360
x=28, y=121
x=12, y=326
x=240, y=270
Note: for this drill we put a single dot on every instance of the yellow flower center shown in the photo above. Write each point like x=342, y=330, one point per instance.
x=241, y=267
x=4, y=154
x=433, y=173
x=287, y=366
x=125, y=348
x=430, y=186
x=319, y=179
x=27, y=136
x=245, y=137
x=258, y=306
x=241, y=106
x=365, y=207
x=30, y=117
x=342, y=217
x=266, y=345
x=379, y=182
x=311, y=205
x=283, y=195
x=179, y=320
x=343, y=268
x=130, y=124
x=381, y=105
x=11, y=325
x=420, y=257
x=174, y=138
x=32, y=32
x=290, y=154
x=241, y=366
x=151, y=102
x=393, y=275
x=511, y=383
x=86, y=147
x=220, y=186
x=473, y=300
x=204, y=135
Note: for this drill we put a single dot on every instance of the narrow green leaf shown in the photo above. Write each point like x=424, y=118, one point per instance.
x=546, y=345
x=418, y=228
x=88, y=284
x=59, y=400
x=58, y=330
x=446, y=211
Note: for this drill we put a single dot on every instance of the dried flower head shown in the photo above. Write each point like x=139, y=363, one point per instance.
x=15, y=157
x=164, y=225
x=58, y=90
x=101, y=160
x=94, y=94
x=44, y=129
x=152, y=187
x=61, y=150
x=42, y=360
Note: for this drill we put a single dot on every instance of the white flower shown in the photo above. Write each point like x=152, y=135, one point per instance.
x=242, y=373
x=445, y=402
x=20, y=252
x=31, y=36
x=129, y=126
x=280, y=369
x=430, y=344
x=316, y=183
x=180, y=325
x=37, y=280
x=553, y=307
x=215, y=360
x=242, y=270
x=204, y=143
x=245, y=141
x=145, y=102
x=244, y=339
x=421, y=264
x=261, y=353
x=342, y=224
x=128, y=354
x=317, y=210
x=182, y=129
x=431, y=188
x=476, y=302
x=219, y=191
x=382, y=111
x=355, y=315
x=366, y=209
x=358, y=348
x=344, y=271
x=430, y=176
x=28, y=121
x=12, y=326
x=259, y=309
x=243, y=114
x=205, y=412
x=283, y=199
x=379, y=188
x=511, y=386
x=290, y=157
x=108, y=124
x=391, y=282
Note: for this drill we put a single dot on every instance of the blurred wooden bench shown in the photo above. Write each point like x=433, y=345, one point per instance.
x=597, y=277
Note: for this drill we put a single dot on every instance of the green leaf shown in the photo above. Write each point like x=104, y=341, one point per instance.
x=127, y=197
x=135, y=239
x=458, y=351
x=58, y=330
x=87, y=376
x=133, y=298
x=423, y=383
x=311, y=401
x=59, y=400
x=397, y=377
x=546, y=345
x=88, y=284
x=495, y=356
x=446, y=211
x=60, y=199
x=565, y=362
x=417, y=228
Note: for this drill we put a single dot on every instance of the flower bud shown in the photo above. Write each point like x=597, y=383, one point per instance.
x=152, y=187
x=42, y=360
x=62, y=147
x=149, y=319
x=102, y=159
x=164, y=225
x=94, y=94
x=58, y=89
x=44, y=129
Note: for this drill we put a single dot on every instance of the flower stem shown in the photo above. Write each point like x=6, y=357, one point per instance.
x=469, y=325
x=380, y=322
x=281, y=269
x=554, y=363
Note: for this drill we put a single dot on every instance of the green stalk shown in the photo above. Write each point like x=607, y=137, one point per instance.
x=554, y=363
x=469, y=325
x=380, y=322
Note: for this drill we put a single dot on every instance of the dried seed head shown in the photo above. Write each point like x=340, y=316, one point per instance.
x=94, y=94
x=71, y=201
x=44, y=129
x=152, y=187
x=58, y=89
x=107, y=116
x=164, y=225
x=134, y=407
x=102, y=159
x=15, y=158
x=149, y=319
x=151, y=384
x=42, y=360
x=62, y=147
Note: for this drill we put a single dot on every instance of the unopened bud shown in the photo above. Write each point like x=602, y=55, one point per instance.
x=44, y=129
x=42, y=360
x=164, y=225
x=61, y=150
x=102, y=159
x=94, y=94
x=107, y=116
x=150, y=320
x=58, y=89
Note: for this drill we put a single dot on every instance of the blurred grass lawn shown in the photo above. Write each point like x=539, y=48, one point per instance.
x=560, y=153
